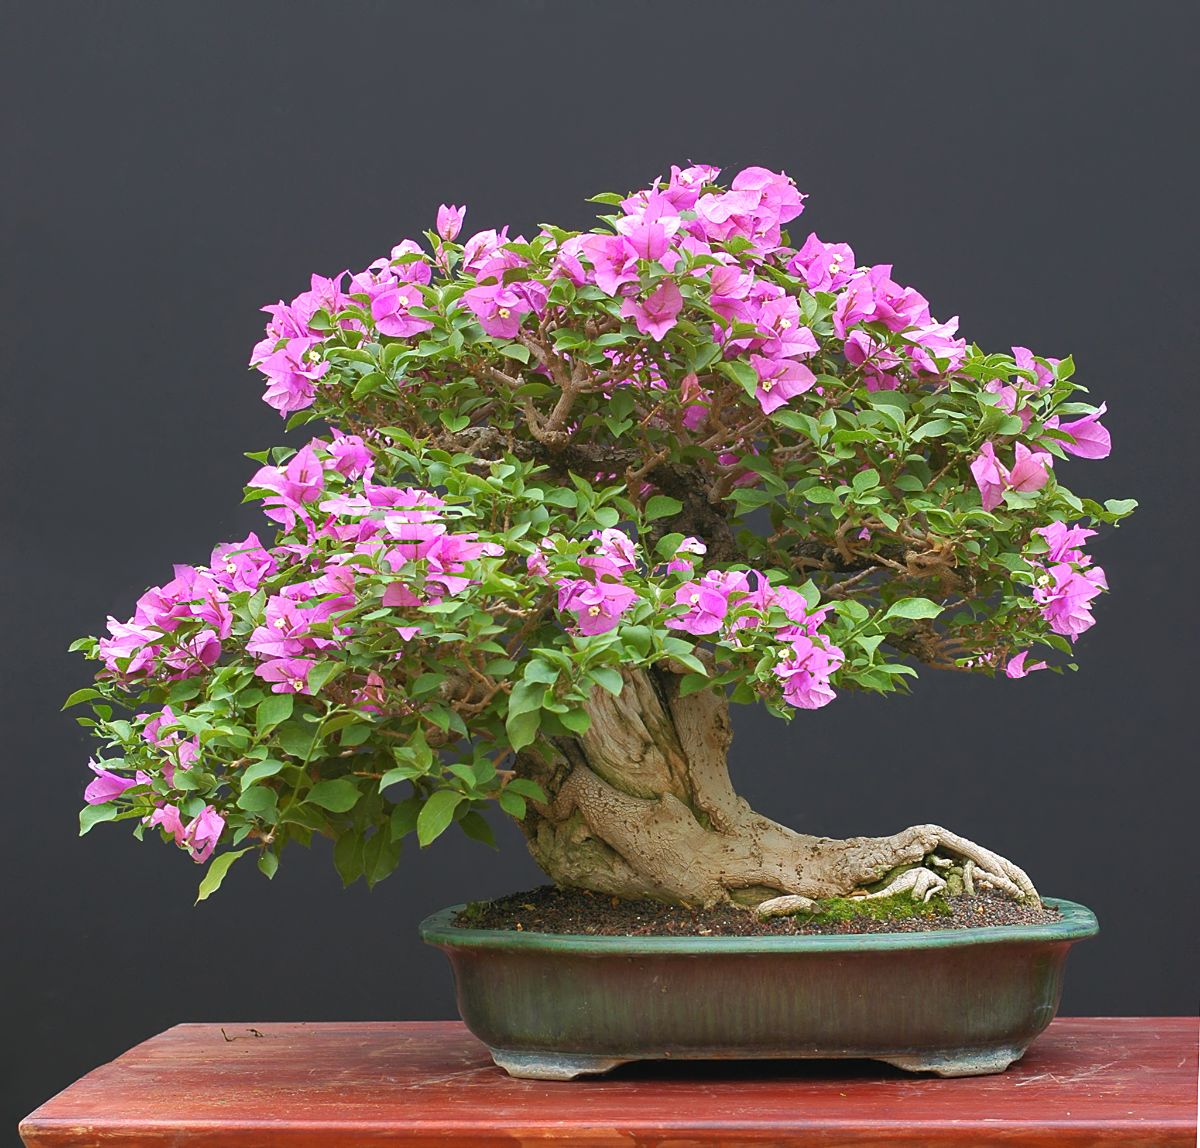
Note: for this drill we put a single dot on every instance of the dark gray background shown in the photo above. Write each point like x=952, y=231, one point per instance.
x=170, y=168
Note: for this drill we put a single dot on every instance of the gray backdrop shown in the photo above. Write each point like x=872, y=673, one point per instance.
x=170, y=168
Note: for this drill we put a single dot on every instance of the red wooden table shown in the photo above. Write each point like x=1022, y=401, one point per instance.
x=1126, y=1081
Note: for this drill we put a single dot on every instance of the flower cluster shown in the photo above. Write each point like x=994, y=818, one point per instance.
x=730, y=603
x=1065, y=581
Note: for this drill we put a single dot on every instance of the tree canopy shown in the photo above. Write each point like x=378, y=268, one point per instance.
x=676, y=439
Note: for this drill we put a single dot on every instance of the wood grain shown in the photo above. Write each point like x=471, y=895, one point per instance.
x=1086, y=1082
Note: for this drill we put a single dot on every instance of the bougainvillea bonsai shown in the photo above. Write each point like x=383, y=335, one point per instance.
x=573, y=495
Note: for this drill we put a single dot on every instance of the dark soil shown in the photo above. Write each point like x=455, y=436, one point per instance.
x=553, y=910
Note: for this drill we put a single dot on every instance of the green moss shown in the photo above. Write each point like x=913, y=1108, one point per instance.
x=472, y=911
x=896, y=908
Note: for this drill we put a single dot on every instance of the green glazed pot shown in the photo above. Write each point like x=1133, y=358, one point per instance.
x=961, y=1002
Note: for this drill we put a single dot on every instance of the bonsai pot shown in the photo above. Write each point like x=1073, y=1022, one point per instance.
x=957, y=1002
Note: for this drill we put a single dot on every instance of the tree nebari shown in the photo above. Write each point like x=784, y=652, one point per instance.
x=641, y=805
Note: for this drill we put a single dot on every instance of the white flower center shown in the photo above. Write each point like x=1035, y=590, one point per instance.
x=230, y=568
x=503, y=312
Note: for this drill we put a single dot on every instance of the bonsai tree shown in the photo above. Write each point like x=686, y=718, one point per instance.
x=572, y=496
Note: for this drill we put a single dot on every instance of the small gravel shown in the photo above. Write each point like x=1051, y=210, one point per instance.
x=552, y=910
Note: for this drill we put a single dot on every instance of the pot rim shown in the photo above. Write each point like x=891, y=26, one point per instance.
x=1078, y=922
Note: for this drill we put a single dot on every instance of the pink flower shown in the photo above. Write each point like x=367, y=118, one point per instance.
x=613, y=259
x=323, y=295
x=1091, y=439
x=597, y=605
x=823, y=266
x=498, y=309
x=1065, y=596
x=301, y=481
x=450, y=221
x=1016, y=667
x=1065, y=542
x=690, y=547
x=617, y=547
x=106, y=786
x=707, y=604
x=194, y=654
x=1030, y=472
x=805, y=673
x=292, y=371
x=779, y=380
x=288, y=675
x=854, y=304
x=241, y=565
x=785, y=336
x=391, y=309
x=1030, y=469
x=130, y=643
x=934, y=341
x=349, y=455
x=167, y=817
x=990, y=476
x=1024, y=359
x=202, y=833
x=657, y=315
x=649, y=232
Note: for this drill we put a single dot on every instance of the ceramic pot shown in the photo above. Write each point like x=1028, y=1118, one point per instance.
x=957, y=1002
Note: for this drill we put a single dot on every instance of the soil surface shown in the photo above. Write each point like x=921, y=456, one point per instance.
x=552, y=910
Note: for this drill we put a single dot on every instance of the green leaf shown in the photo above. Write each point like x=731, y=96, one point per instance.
x=268, y=767
x=217, y=868
x=865, y=480
x=913, y=608
x=522, y=728
x=610, y=679
x=660, y=506
x=516, y=351
x=367, y=384
x=348, y=857
x=296, y=739
x=526, y=788
x=84, y=695
x=436, y=815
x=741, y=373
x=272, y=710
x=268, y=864
x=381, y=855
x=931, y=429
x=1112, y=505
x=577, y=721
x=513, y=804
x=91, y=815
x=476, y=826
x=258, y=799
x=338, y=795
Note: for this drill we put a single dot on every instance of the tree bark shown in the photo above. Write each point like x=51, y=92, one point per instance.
x=642, y=806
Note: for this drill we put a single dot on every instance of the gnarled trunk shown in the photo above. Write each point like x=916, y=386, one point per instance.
x=642, y=806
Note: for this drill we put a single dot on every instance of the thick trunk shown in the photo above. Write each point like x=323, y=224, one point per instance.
x=642, y=806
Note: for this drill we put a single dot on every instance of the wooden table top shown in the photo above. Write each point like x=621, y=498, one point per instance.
x=1119, y=1081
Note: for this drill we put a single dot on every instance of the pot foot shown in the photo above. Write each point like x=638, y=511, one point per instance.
x=968, y=1062
x=553, y=1065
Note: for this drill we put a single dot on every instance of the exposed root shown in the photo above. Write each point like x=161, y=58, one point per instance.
x=785, y=906
x=642, y=806
x=920, y=883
